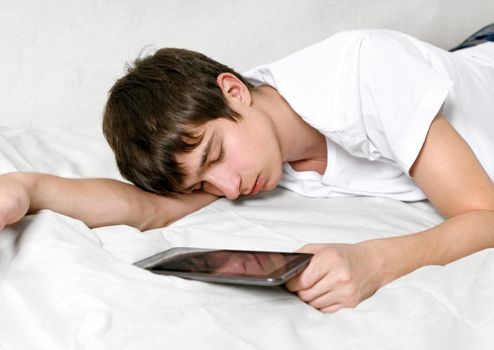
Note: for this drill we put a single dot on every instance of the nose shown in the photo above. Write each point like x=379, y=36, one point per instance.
x=222, y=182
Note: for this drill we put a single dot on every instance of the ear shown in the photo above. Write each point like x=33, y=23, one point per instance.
x=233, y=89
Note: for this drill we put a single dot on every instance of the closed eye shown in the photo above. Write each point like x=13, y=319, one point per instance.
x=200, y=185
x=220, y=156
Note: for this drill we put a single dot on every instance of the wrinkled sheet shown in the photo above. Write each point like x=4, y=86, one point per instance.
x=65, y=286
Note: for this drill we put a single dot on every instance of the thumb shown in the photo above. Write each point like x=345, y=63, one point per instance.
x=311, y=248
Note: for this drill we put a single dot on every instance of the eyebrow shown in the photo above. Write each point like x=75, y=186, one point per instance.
x=204, y=159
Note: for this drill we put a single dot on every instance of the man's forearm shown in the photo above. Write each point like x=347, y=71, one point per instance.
x=455, y=238
x=101, y=202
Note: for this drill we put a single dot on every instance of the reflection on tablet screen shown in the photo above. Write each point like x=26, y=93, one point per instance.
x=229, y=262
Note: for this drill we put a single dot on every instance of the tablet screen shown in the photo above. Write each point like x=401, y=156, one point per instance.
x=230, y=262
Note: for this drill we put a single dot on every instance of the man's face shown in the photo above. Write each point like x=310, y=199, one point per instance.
x=234, y=158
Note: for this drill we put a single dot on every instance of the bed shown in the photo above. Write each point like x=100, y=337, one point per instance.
x=66, y=286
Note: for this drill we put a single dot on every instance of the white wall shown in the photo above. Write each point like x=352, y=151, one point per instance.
x=59, y=58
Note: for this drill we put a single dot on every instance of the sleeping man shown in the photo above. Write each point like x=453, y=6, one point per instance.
x=362, y=113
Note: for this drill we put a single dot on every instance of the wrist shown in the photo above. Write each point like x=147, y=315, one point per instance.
x=15, y=197
x=391, y=257
x=25, y=185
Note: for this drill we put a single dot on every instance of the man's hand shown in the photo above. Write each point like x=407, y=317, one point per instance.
x=14, y=200
x=338, y=276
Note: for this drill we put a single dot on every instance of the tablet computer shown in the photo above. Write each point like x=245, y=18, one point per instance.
x=260, y=268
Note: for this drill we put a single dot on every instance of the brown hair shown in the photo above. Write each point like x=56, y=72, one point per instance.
x=151, y=111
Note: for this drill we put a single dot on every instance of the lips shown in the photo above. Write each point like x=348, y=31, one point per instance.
x=257, y=186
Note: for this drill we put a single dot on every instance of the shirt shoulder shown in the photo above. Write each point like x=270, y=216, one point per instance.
x=309, y=79
x=324, y=52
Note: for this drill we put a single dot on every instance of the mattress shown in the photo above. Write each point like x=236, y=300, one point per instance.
x=66, y=286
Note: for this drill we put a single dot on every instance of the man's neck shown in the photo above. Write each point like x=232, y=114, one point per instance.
x=301, y=145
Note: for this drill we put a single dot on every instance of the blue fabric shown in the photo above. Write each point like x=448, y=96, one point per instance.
x=481, y=36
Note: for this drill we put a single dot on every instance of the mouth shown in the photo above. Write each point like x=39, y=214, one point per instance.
x=257, y=187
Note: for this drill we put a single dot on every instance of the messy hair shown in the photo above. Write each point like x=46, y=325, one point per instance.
x=153, y=110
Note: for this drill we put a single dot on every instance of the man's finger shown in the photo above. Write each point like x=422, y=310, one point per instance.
x=310, y=248
x=316, y=291
x=312, y=274
x=332, y=308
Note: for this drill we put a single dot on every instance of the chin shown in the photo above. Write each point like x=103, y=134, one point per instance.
x=271, y=185
x=276, y=180
x=273, y=181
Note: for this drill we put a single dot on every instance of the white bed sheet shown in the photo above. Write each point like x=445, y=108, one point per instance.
x=65, y=286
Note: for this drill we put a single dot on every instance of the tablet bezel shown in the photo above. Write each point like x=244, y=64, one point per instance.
x=276, y=278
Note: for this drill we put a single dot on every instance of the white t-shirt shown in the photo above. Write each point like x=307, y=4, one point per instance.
x=374, y=94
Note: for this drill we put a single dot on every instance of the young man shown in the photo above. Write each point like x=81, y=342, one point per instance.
x=373, y=113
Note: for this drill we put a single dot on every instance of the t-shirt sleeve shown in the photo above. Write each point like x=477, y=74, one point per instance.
x=400, y=94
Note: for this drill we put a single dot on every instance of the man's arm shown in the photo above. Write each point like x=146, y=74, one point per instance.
x=342, y=275
x=97, y=202
x=456, y=184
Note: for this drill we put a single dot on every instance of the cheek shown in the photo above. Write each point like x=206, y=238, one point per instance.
x=251, y=149
x=248, y=152
x=240, y=156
